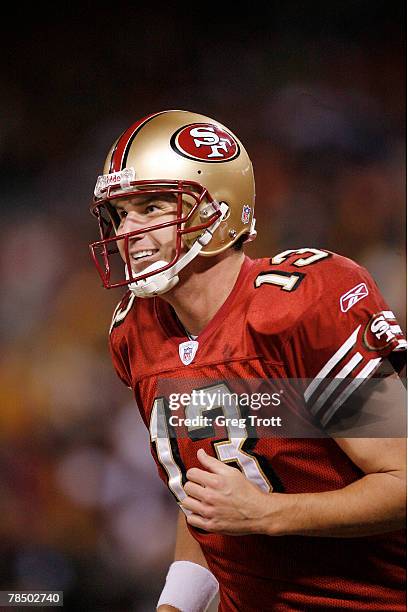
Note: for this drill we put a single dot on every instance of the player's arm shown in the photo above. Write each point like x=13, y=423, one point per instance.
x=374, y=504
x=190, y=582
x=371, y=505
x=187, y=548
x=223, y=500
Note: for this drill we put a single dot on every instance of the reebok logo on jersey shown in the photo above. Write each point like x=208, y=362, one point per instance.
x=353, y=296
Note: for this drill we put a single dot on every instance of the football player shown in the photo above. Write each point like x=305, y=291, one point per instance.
x=312, y=517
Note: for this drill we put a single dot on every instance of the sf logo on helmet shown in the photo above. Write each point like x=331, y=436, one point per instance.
x=207, y=137
x=205, y=142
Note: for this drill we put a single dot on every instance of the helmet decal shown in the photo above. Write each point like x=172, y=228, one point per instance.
x=246, y=214
x=205, y=142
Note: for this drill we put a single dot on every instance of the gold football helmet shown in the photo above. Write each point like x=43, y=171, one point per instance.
x=206, y=169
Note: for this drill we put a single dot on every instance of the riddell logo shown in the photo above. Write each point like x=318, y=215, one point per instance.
x=353, y=296
x=123, y=178
x=205, y=142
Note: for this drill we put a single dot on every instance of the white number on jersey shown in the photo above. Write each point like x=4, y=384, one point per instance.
x=228, y=451
x=300, y=262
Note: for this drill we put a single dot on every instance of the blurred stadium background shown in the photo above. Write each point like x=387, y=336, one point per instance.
x=319, y=101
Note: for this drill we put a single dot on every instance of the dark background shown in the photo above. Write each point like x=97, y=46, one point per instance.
x=317, y=93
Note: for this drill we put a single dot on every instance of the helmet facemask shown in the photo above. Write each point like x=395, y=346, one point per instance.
x=197, y=216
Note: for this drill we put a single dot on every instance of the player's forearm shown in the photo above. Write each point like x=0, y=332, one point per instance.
x=187, y=548
x=374, y=504
x=189, y=583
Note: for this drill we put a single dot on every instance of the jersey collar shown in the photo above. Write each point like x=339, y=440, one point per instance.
x=171, y=325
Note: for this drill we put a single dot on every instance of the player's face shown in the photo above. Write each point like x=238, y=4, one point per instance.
x=146, y=248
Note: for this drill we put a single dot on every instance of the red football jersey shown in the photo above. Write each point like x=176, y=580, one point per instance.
x=308, y=316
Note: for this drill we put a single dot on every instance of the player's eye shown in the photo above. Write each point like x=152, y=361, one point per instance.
x=122, y=213
x=151, y=208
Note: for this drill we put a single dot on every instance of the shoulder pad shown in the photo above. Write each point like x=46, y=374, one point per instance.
x=296, y=282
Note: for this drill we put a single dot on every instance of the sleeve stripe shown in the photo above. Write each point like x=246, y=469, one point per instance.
x=333, y=361
x=349, y=367
x=356, y=382
x=388, y=314
x=401, y=346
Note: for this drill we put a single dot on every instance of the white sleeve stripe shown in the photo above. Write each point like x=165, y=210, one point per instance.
x=401, y=346
x=333, y=361
x=350, y=365
x=356, y=382
x=395, y=329
x=388, y=314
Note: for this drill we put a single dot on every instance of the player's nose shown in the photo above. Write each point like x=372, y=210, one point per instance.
x=132, y=222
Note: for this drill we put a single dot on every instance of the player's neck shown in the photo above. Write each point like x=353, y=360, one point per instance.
x=203, y=289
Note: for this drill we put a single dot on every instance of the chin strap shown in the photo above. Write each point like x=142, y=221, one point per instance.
x=252, y=232
x=166, y=280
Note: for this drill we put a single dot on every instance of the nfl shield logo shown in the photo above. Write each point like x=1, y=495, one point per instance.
x=187, y=351
x=246, y=213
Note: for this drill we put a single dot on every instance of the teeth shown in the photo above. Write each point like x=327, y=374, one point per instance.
x=141, y=254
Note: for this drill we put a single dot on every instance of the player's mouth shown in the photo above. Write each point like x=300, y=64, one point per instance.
x=138, y=255
x=143, y=256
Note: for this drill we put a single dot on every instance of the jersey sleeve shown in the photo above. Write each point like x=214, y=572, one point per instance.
x=342, y=340
x=118, y=344
x=119, y=354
